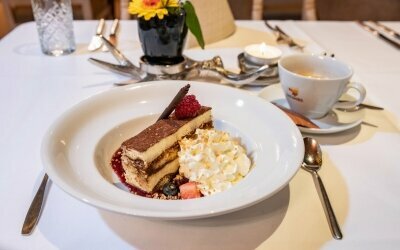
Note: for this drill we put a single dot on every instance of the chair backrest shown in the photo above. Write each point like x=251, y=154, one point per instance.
x=308, y=10
x=241, y=9
x=257, y=11
x=7, y=22
x=86, y=6
x=348, y=10
x=8, y=13
x=247, y=9
x=121, y=9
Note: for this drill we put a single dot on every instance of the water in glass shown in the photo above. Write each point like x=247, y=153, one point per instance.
x=55, y=26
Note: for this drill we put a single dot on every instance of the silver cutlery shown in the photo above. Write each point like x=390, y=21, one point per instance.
x=125, y=67
x=96, y=41
x=379, y=34
x=290, y=40
x=278, y=35
x=283, y=36
x=391, y=31
x=358, y=107
x=33, y=214
x=312, y=163
x=113, y=34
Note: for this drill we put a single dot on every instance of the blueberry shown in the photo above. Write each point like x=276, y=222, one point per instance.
x=170, y=189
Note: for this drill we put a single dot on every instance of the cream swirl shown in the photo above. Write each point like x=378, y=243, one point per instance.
x=213, y=159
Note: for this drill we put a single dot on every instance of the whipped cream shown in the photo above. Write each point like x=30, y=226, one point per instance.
x=213, y=159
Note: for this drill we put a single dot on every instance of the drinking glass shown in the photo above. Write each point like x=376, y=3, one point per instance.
x=55, y=26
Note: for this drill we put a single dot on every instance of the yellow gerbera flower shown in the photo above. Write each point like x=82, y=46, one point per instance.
x=150, y=8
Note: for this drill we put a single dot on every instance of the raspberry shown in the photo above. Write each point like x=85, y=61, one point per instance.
x=187, y=108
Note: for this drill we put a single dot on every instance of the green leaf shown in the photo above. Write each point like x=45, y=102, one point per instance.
x=193, y=23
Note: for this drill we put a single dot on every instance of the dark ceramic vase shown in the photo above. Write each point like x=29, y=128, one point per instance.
x=163, y=40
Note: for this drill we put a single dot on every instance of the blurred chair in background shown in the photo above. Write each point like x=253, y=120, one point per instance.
x=249, y=9
x=308, y=10
x=349, y=10
x=282, y=9
x=121, y=9
x=21, y=11
x=241, y=9
x=6, y=18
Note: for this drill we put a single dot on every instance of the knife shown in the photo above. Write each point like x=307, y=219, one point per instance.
x=96, y=41
x=32, y=216
x=378, y=34
x=113, y=34
x=387, y=29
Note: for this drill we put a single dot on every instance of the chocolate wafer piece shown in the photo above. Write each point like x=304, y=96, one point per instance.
x=177, y=99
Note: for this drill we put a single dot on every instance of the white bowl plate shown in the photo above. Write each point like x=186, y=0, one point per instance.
x=78, y=147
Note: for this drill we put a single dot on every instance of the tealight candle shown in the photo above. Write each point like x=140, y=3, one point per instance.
x=262, y=54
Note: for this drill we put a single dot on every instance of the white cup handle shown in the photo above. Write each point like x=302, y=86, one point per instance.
x=351, y=104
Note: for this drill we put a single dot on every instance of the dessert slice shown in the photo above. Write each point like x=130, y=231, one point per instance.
x=152, y=155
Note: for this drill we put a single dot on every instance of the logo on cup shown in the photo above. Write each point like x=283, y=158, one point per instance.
x=293, y=93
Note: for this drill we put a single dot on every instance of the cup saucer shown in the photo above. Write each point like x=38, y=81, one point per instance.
x=335, y=121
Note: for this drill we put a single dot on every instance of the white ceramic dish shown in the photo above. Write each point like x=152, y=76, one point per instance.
x=335, y=121
x=77, y=148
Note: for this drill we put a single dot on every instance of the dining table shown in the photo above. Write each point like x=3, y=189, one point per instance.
x=361, y=169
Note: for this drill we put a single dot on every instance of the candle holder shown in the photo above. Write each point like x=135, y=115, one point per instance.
x=262, y=54
x=257, y=55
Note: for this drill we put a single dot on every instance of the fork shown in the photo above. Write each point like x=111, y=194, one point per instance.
x=289, y=39
x=278, y=34
x=283, y=36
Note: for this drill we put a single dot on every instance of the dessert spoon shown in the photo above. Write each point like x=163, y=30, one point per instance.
x=312, y=163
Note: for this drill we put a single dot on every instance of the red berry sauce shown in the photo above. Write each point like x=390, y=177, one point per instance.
x=116, y=165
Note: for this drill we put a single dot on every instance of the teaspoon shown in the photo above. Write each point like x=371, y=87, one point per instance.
x=358, y=107
x=312, y=163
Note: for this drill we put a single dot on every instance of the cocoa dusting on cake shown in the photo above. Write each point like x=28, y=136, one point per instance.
x=152, y=166
x=158, y=131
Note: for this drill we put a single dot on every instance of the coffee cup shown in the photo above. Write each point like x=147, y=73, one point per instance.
x=313, y=84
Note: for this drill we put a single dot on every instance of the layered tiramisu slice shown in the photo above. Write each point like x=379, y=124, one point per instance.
x=150, y=158
x=181, y=156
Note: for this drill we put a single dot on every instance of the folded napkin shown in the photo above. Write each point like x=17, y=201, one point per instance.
x=216, y=21
x=242, y=37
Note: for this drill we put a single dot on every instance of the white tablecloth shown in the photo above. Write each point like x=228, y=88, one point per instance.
x=361, y=170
